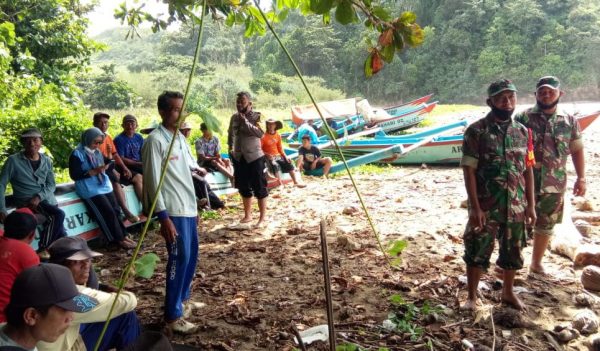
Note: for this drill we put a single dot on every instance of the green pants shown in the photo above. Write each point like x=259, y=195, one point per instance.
x=480, y=245
x=549, y=212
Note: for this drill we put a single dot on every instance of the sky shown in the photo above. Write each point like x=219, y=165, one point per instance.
x=102, y=18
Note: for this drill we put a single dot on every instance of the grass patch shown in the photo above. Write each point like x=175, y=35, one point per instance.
x=440, y=110
x=373, y=168
x=210, y=214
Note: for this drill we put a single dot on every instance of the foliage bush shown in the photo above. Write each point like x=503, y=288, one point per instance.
x=270, y=83
x=61, y=125
x=107, y=91
x=27, y=101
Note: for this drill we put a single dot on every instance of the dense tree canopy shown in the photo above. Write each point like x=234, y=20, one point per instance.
x=42, y=46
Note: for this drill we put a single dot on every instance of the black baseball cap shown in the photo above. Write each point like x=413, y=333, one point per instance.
x=19, y=224
x=306, y=136
x=70, y=248
x=49, y=284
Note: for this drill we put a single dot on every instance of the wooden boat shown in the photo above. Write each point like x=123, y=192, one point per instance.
x=446, y=148
x=341, y=109
x=396, y=119
x=350, y=116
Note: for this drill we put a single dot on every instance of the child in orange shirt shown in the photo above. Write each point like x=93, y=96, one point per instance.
x=273, y=149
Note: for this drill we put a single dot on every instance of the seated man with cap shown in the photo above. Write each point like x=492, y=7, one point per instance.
x=42, y=301
x=273, y=148
x=74, y=254
x=129, y=144
x=31, y=176
x=117, y=172
x=16, y=253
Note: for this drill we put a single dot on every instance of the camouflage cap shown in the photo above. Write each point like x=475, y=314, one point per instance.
x=548, y=81
x=499, y=86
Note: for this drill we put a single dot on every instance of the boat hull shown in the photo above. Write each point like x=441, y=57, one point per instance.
x=435, y=152
x=442, y=150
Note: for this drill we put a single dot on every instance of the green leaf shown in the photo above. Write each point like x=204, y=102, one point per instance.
x=7, y=33
x=387, y=53
x=382, y=13
x=397, y=299
x=321, y=6
x=282, y=15
x=145, y=265
x=327, y=18
x=407, y=17
x=230, y=20
x=250, y=28
x=344, y=13
x=397, y=247
x=368, y=68
x=256, y=14
x=210, y=214
x=347, y=347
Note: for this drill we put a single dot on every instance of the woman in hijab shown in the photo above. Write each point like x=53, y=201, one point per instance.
x=87, y=169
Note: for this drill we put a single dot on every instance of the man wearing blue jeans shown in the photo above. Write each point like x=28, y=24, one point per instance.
x=175, y=208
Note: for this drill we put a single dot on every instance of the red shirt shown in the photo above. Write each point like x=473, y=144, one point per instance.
x=15, y=256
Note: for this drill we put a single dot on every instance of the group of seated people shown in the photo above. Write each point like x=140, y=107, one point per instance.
x=30, y=320
x=100, y=166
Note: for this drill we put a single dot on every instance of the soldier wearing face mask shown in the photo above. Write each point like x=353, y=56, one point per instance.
x=497, y=165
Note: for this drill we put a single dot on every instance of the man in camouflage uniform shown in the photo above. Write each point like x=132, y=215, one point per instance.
x=555, y=136
x=499, y=182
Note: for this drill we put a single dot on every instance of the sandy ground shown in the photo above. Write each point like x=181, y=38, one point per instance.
x=256, y=284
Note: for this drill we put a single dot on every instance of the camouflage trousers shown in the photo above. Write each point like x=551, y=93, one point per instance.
x=549, y=212
x=480, y=245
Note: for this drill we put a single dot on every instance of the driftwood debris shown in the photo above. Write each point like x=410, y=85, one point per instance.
x=568, y=242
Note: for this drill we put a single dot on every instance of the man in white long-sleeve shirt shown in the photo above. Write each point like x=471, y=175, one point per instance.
x=175, y=207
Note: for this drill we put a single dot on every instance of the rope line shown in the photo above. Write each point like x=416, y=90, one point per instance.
x=128, y=268
x=331, y=134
